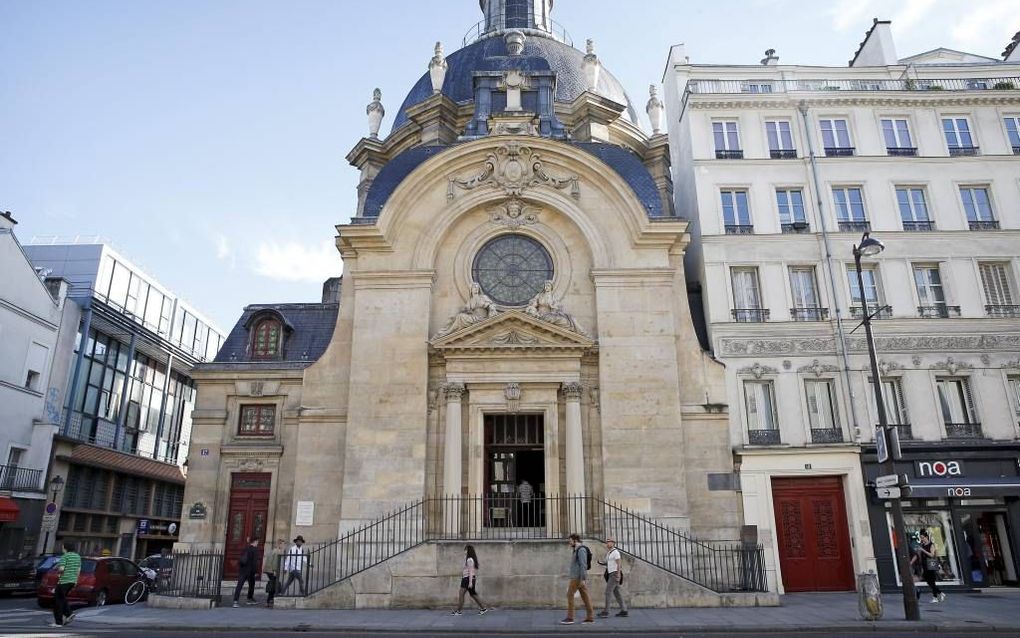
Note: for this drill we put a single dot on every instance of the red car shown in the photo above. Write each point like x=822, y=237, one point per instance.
x=102, y=580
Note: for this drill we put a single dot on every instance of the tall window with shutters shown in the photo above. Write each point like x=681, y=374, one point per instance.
x=892, y=396
x=998, y=291
x=266, y=339
x=956, y=401
x=1014, y=395
x=821, y=404
x=759, y=400
x=931, y=296
x=804, y=293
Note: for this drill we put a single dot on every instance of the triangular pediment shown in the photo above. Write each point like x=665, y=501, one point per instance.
x=513, y=330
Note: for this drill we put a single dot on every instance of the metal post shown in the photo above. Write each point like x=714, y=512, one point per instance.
x=911, y=609
x=86, y=325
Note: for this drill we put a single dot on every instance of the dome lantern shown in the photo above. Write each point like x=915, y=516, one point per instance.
x=501, y=15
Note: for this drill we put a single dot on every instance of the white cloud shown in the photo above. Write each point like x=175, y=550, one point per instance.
x=295, y=261
x=995, y=20
x=913, y=12
x=224, y=252
x=851, y=14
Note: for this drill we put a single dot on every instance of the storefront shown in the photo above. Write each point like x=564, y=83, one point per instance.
x=968, y=498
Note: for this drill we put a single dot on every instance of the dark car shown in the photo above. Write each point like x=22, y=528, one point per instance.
x=17, y=576
x=102, y=580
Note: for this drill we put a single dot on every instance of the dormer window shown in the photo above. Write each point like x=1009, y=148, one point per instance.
x=266, y=339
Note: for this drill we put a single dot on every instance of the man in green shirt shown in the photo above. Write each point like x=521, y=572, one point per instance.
x=69, y=566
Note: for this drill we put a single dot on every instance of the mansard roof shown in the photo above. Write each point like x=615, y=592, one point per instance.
x=311, y=327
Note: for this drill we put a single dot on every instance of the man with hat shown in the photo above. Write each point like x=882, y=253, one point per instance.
x=294, y=565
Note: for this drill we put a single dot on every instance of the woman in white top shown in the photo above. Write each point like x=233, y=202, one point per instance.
x=468, y=582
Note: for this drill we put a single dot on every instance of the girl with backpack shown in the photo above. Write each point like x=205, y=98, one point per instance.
x=469, y=577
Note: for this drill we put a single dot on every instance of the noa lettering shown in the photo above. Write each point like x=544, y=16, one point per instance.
x=939, y=468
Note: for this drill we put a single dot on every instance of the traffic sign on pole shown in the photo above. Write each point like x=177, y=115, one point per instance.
x=887, y=480
x=888, y=492
x=881, y=446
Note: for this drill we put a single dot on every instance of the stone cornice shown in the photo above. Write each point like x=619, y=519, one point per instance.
x=790, y=101
x=629, y=277
x=394, y=279
x=234, y=373
x=253, y=449
x=902, y=344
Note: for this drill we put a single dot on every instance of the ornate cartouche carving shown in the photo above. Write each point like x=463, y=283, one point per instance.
x=513, y=168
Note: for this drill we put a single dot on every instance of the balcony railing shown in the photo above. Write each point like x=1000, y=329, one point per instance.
x=938, y=311
x=729, y=154
x=963, y=151
x=20, y=479
x=783, y=153
x=885, y=312
x=763, y=437
x=826, y=435
x=795, y=228
x=739, y=229
x=854, y=227
x=918, y=226
x=750, y=315
x=964, y=430
x=809, y=314
x=983, y=224
x=512, y=20
x=1002, y=310
x=855, y=84
x=1016, y=150
x=901, y=151
x=839, y=151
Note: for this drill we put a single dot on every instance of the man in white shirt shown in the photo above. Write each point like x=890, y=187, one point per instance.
x=614, y=578
x=294, y=564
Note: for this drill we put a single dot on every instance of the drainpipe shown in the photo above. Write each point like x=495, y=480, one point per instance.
x=841, y=336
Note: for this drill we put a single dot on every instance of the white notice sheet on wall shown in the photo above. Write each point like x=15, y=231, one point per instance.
x=305, y=513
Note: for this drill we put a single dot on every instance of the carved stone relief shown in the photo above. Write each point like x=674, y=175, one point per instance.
x=951, y=365
x=818, y=368
x=512, y=393
x=513, y=213
x=894, y=343
x=514, y=338
x=572, y=391
x=513, y=168
x=758, y=370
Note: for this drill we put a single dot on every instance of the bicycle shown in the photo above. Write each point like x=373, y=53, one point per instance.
x=139, y=590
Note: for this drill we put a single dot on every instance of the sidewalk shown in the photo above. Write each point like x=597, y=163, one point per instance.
x=991, y=611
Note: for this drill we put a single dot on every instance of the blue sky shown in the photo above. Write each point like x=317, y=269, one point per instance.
x=206, y=139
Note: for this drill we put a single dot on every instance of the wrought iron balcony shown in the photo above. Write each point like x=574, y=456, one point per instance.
x=739, y=229
x=795, y=228
x=1002, y=310
x=901, y=151
x=750, y=315
x=918, y=226
x=963, y=151
x=783, y=153
x=964, y=430
x=826, y=435
x=809, y=314
x=729, y=154
x=763, y=437
x=20, y=479
x=938, y=311
x=885, y=312
x=839, y=151
x=854, y=226
x=983, y=224
x=1016, y=150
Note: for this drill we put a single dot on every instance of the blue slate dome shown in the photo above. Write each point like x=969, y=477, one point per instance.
x=540, y=54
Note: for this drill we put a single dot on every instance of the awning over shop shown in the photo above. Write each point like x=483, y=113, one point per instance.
x=965, y=487
x=8, y=510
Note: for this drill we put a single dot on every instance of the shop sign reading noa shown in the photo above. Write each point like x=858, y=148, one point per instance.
x=939, y=469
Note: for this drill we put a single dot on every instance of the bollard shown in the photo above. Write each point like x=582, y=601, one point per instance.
x=869, y=596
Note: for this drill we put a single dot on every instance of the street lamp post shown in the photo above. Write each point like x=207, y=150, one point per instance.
x=56, y=484
x=911, y=610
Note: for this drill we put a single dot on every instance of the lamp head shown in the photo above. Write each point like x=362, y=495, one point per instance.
x=57, y=483
x=869, y=247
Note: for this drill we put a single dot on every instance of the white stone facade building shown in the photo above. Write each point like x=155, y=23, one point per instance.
x=781, y=168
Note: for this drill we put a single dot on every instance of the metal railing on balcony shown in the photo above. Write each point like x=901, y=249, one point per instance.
x=901, y=151
x=809, y=314
x=983, y=224
x=918, y=226
x=763, y=437
x=783, y=153
x=739, y=229
x=729, y=154
x=1002, y=310
x=963, y=151
x=826, y=435
x=854, y=226
x=796, y=228
x=760, y=86
x=750, y=315
x=938, y=311
x=20, y=479
x=1016, y=150
x=839, y=151
x=963, y=430
x=885, y=312
x=720, y=566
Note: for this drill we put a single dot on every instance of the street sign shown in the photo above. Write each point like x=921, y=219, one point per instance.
x=888, y=492
x=51, y=514
x=143, y=526
x=887, y=480
x=881, y=446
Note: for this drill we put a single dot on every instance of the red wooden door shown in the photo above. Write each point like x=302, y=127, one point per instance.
x=813, y=535
x=246, y=516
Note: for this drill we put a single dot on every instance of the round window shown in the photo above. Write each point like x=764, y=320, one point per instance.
x=511, y=269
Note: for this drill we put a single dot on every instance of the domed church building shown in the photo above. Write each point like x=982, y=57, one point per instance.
x=510, y=358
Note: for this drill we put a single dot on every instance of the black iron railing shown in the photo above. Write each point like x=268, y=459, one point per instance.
x=885, y=312
x=729, y=154
x=796, y=228
x=717, y=565
x=938, y=311
x=983, y=224
x=901, y=151
x=963, y=151
x=739, y=229
x=809, y=314
x=1002, y=310
x=855, y=226
x=763, y=437
x=1016, y=150
x=918, y=226
x=192, y=574
x=839, y=151
x=963, y=430
x=20, y=479
x=750, y=315
x=783, y=153
x=826, y=435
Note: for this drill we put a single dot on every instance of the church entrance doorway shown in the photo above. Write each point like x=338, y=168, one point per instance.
x=246, y=518
x=514, y=470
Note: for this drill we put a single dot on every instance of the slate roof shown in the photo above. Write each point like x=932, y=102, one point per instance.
x=312, y=328
x=540, y=54
x=626, y=163
x=128, y=463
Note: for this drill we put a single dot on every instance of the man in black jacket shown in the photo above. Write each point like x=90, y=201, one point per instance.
x=248, y=567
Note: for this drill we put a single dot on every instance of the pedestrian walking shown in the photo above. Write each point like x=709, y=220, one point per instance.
x=248, y=567
x=930, y=564
x=580, y=563
x=468, y=582
x=294, y=564
x=69, y=567
x=271, y=568
x=614, y=578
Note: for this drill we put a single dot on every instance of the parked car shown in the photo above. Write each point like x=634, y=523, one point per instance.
x=17, y=576
x=102, y=580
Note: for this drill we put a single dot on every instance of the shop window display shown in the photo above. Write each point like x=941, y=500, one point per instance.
x=940, y=527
